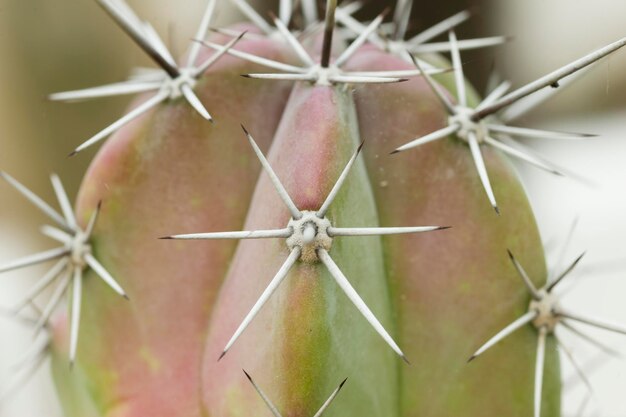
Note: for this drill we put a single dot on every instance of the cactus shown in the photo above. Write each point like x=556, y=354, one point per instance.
x=312, y=272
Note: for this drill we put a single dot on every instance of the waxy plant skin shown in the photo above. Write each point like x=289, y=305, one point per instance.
x=272, y=223
x=439, y=294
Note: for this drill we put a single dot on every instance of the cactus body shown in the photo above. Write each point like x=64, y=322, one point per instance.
x=440, y=295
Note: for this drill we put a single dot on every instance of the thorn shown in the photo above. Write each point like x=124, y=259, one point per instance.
x=340, y=385
x=406, y=360
x=74, y=152
x=245, y=130
x=248, y=375
x=497, y=209
x=166, y=238
x=471, y=358
x=222, y=355
x=444, y=227
x=394, y=152
x=246, y=76
x=126, y=297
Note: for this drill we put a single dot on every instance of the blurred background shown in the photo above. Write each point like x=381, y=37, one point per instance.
x=50, y=46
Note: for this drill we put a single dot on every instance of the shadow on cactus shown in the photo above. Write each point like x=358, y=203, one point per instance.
x=329, y=89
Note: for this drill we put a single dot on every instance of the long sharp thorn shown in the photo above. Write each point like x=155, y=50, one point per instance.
x=526, y=157
x=54, y=301
x=401, y=18
x=255, y=59
x=530, y=102
x=482, y=170
x=93, y=219
x=502, y=334
x=281, y=77
x=606, y=349
x=253, y=234
x=565, y=273
x=201, y=33
x=158, y=43
x=574, y=362
x=285, y=11
x=537, y=133
x=330, y=399
x=351, y=293
x=282, y=192
x=395, y=74
x=329, y=28
x=309, y=10
x=195, y=102
x=21, y=377
x=104, y=274
x=43, y=283
x=439, y=134
x=434, y=86
x=135, y=32
x=439, y=28
x=539, y=368
x=360, y=40
x=77, y=283
x=463, y=45
x=265, y=398
x=339, y=183
x=566, y=243
x=215, y=57
x=251, y=14
x=525, y=278
x=35, y=200
x=600, y=324
x=267, y=293
x=64, y=202
x=34, y=259
x=380, y=231
x=551, y=79
x=117, y=89
x=133, y=114
x=348, y=79
x=56, y=234
x=459, y=78
x=497, y=92
x=294, y=43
